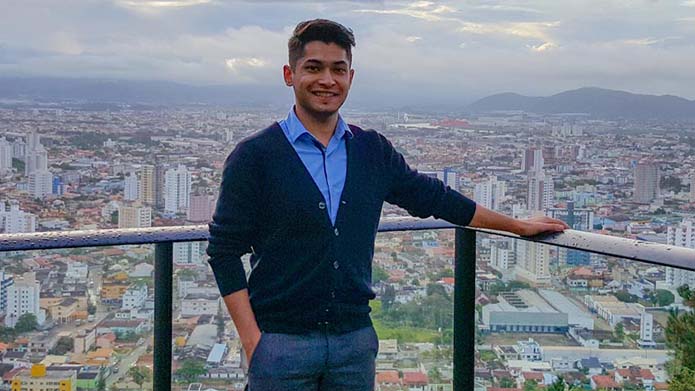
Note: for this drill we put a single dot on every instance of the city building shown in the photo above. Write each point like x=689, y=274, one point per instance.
x=36, y=160
x=201, y=209
x=136, y=216
x=540, y=193
x=5, y=156
x=177, y=189
x=613, y=310
x=646, y=332
x=490, y=193
x=646, y=186
x=6, y=280
x=533, y=158
x=581, y=219
x=502, y=257
x=200, y=304
x=523, y=311
x=23, y=298
x=146, y=189
x=130, y=187
x=692, y=186
x=134, y=297
x=40, y=183
x=682, y=235
x=37, y=378
x=13, y=220
x=187, y=253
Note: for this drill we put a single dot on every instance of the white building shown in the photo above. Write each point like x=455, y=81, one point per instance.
x=77, y=271
x=646, y=331
x=36, y=160
x=136, y=216
x=200, y=304
x=134, y=297
x=502, y=256
x=532, y=160
x=187, y=253
x=131, y=184
x=540, y=193
x=646, y=182
x=23, y=298
x=490, y=193
x=177, y=189
x=692, y=186
x=13, y=220
x=5, y=156
x=682, y=235
x=40, y=183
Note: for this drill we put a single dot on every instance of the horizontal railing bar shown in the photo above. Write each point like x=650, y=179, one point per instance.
x=653, y=253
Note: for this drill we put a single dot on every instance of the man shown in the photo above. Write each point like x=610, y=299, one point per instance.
x=304, y=197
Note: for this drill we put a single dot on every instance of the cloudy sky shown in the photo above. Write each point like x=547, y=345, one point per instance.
x=407, y=51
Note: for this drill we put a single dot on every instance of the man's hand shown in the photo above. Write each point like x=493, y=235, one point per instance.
x=538, y=225
x=485, y=218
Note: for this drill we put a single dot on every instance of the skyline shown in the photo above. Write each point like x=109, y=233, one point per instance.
x=447, y=52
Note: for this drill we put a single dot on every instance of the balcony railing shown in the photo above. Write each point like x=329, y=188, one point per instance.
x=465, y=266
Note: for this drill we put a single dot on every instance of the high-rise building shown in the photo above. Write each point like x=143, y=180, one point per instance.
x=40, y=183
x=540, y=194
x=146, y=190
x=448, y=175
x=581, y=219
x=532, y=259
x=502, y=256
x=135, y=216
x=490, y=193
x=130, y=187
x=646, y=182
x=36, y=160
x=23, y=298
x=692, y=186
x=6, y=280
x=187, y=253
x=159, y=184
x=177, y=190
x=532, y=159
x=5, y=156
x=14, y=221
x=202, y=207
x=682, y=235
x=646, y=330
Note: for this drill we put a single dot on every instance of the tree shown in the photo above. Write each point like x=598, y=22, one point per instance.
x=625, y=296
x=530, y=385
x=7, y=334
x=26, y=323
x=619, y=332
x=190, y=370
x=140, y=375
x=506, y=382
x=558, y=385
x=680, y=336
x=664, y=297
x=434, y=375
x=101, y=381
x=379, y=274
x=64, y=345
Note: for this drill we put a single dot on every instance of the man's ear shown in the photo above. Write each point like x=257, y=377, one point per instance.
x=287, y=75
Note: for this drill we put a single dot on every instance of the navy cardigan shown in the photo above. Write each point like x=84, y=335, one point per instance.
x=307, y=273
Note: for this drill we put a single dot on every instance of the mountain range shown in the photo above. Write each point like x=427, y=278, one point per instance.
x=596, y=102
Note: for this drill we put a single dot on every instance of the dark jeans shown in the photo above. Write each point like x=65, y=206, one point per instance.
x=317, y=361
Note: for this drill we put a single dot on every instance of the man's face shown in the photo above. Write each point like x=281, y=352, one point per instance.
x=321, y=78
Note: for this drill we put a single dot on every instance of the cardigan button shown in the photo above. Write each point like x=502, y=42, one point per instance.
x=336, y=232
x=322, y=205
x=336, y=265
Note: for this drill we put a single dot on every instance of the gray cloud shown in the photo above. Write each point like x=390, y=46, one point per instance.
x=409, y=52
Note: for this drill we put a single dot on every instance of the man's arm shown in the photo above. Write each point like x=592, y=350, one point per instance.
x=423, y=196
x=232, y=232
x=486, y=218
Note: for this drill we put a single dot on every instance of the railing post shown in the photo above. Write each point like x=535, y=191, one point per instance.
x=464, y=310
x=163, y=286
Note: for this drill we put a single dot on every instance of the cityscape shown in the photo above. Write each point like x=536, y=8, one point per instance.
x=83, y=318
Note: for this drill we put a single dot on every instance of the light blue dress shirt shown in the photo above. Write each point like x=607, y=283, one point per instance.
x=327, y=166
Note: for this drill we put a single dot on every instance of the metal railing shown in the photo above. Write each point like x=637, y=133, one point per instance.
x=464, y=272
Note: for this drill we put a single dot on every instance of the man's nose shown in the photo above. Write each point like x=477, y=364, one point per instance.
x=327, y=78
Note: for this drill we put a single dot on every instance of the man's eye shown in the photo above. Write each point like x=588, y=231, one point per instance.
x=312, y=68
x=340, y=70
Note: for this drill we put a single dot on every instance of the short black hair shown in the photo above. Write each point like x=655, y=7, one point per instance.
x=323, y=30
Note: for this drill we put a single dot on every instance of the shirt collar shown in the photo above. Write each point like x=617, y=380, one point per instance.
x=296, y=129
